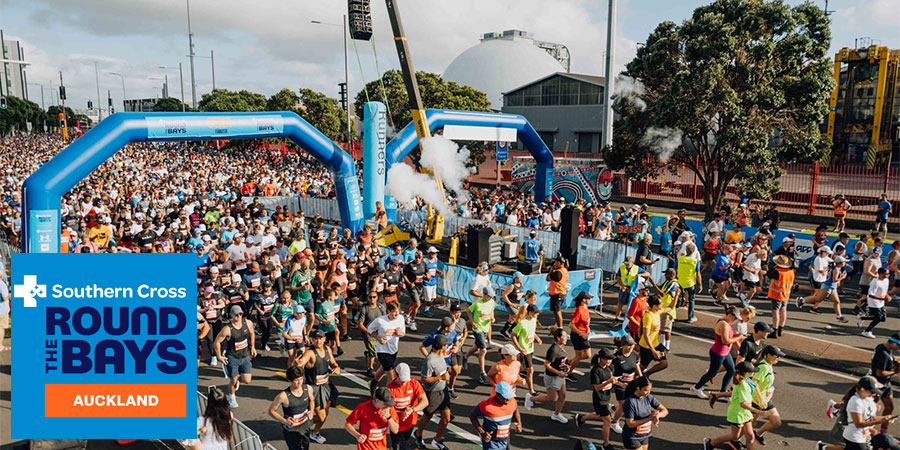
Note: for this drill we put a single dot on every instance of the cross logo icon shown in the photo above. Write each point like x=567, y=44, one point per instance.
x=30, y=290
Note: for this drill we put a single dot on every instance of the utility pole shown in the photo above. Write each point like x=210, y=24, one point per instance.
x=97, y=79
x=191, y=55
x=62, y=115
x=347, y=83
x=212, y=62
x=610, y=75
x=181, y=81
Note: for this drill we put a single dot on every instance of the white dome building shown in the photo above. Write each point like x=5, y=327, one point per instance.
x=501, y=63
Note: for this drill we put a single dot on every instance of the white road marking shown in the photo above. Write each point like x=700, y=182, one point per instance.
x=784, y=360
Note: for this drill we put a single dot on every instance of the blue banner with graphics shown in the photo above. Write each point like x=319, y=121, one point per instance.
x=374, y=169
x=198, y=126
x=107, y=347
x=44, y=231
x=502, y=151
x=457, y=281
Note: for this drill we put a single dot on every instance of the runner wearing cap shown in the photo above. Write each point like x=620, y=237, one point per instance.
x=507, y=369
x=524, y=337
x=394, y=279
x=556, y=368
x=296, y=402
x=434, y=380
x=293, y=334
x=512, y=297
x=721, y=274
x=762, y=396
x=580, y=330
x=409, y=400
x=320, y=365
x=265, y=301
x=326, y=319
x=241, y=347
x=376, y=417
x=740, y=409
x=883, y=367
x=387, y=331
x=861, y=416
x=367, y=314
x=869, y=273
x=602, y=380
x=456, y=355
x=819, y=271
x=752, y=346
x=481, y=316
x=499, y=414
x=781, y=281
x=689, y=280
x=650, y=348
x=431, y=279
x=625, y=369
x=876, y=299
x=641, y=411
x=414, y=279
x=753, y=272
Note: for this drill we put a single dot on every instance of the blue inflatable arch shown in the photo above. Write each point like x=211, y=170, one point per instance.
x=43, y=190
x=406, y=140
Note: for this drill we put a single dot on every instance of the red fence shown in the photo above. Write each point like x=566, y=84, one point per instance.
x=805, y=189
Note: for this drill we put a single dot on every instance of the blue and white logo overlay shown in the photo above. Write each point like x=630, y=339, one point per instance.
x=105, y=346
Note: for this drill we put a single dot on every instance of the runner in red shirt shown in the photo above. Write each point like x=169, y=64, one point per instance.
x=637, y=309
x=409, y=399
x=580, y=329
x=376, y=417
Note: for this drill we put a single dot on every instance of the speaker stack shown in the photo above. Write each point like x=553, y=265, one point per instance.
x=568, y=235
x=478, y=245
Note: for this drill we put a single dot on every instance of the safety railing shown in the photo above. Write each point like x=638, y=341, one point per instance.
x=243, y=438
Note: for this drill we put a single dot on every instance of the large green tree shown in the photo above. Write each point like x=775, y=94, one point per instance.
x=170, y=104
x=736, y=89
x=435, y=93
x=324, y=113
x=19, y=113
x=223, y=100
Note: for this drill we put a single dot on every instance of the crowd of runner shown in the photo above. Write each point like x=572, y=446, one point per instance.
x=273, y=282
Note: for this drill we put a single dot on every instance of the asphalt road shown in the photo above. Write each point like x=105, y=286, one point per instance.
x=800, y=396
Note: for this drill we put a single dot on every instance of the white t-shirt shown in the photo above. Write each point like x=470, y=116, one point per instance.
x=863, y=251
x=385, y=327
x=236, y=252
x=209, y=440
x=878, y=288
x=820, y=264
x=864, y=407
x=752, y=262
x=481, y=281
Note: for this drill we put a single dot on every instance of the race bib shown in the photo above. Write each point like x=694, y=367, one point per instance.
x=400, y=403
x=240, y=345
x=337, y=309
x=432, y=272
x=644, y=428
x=627, y=376
x=418, y=278
x=503, y=431
x=255, y=282
x=330, y=317
x=211, y=314
x=321, y=379
x=390, y=332
x=299, y=419
x=267, y=308
x=607, y=388
x=530, y=339
x=485, y=316
x=376, y=434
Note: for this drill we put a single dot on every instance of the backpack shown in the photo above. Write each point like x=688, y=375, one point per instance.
x=837, y=430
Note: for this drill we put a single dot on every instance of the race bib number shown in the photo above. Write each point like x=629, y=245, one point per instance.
x=299, y=419
x=211, y=314
x=503, y=431
x=400, y=403
x=390, y=332
x=628, y=376
x=330, y=317
x=376, y=434
x=530, y=339
x=267, y=308
x=485, y=316
x=321, y=379
x=240, y=345
x=418, y=278
x=255, y=282
x=644, y=428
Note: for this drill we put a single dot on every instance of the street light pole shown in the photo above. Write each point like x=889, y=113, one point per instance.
x=212, y=62
x=42, y=93
x=610, y=75
x=181, y=80
x=99, y=105
x=191, y=55
x=124, y=97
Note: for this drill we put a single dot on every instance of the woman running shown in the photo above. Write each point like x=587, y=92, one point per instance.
x=320, y=364
x=602, y=380
x=579, y=329
x=719, y=353
x=861, y=418
x=625, y=368
x=641, y=411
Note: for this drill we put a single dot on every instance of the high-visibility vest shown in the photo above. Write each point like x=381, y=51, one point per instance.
x=65, y=241
x=840, y=208
x=780, y=288
x=627, y=275
x=559, y=287
x=687, y=271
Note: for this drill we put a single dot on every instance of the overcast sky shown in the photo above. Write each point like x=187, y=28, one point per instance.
x=266, y=45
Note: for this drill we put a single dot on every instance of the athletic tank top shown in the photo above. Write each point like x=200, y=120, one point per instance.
x=320, y=371
x=719, y=347
x=515, y=297
x=297, y=411
x=239, y=344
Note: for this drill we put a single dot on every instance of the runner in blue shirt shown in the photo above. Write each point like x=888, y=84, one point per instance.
x=446, y=330
x=721, y=274
x=499, y=414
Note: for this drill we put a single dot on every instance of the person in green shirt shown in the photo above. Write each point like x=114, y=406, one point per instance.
x=765, y=382
x=740, y=408
x=325, y=317
x=481, y=316
x=280, y=313
x=523, y=338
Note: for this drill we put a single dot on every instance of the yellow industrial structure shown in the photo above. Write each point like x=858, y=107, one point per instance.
x=865, y=106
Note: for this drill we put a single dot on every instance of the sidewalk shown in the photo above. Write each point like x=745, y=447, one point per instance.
x=816, y=339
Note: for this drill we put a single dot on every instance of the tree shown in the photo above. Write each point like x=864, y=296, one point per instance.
x=736, y=89
x=170, y=104
x=284, y=100
x=435, y=93
x=18, y=113
x=71, y=117
x=223, y=100
x=324, y=113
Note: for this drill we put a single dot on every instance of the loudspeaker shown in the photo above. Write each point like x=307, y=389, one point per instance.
x=568, y=235
x=527, y=268
x=478, y=245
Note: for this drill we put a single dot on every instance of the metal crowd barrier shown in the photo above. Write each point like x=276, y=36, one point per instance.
x=243, y=438
x=325, y=207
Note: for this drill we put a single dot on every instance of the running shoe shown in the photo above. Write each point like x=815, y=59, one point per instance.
x=483, y=379
x=706, y=445
x=699, y=393
x=718, y=302
x=841, y=319
x=266, y=348
x=693, y=319
x=215, y=361
x=438, y=445
x=579, y=420
x=232, y=401
x=829, y=410
x=529, y=403
x=868, y=334
x=504, y=334
x=428, y=313
x=617, y=427
x=815, y=310
x=820, y=445
x=339, y=352
x=319, y=439
x=262, y=353
x=420, y=443
x=759, y=439
x=858, y=325
x=559, y=418
x=799, y=301
x=571, y=378
x=412, y=326
x=453, y=394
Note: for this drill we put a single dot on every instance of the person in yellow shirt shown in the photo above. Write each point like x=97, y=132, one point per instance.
x=734, y=236
x=99, y=235
x=650, y=348
x=669, y=292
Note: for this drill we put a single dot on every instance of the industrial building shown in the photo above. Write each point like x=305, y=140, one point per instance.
x=864, y=118
x=566, y=109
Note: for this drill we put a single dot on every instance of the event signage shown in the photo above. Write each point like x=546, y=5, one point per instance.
x=105, y=346
x=192, y=126
x=44, y=231
x=502, y=151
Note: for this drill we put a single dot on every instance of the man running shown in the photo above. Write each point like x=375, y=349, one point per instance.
x=367, y=314
x=456, y=355
x=481, y=316
x=414, y=279
x=241, y=347
x=296, y=402
x=524, y=337
x=876, y=298
x=434, y=380
x=602, y=380
x=431, y=279
x=765, y=383
x=499, y=414
x=387, y=331
x=409, y=400
x=376, y=417
x=883, y=367
x=556, y=369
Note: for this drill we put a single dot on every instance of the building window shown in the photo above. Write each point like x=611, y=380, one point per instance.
x=588, y=142
x=548, y=138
